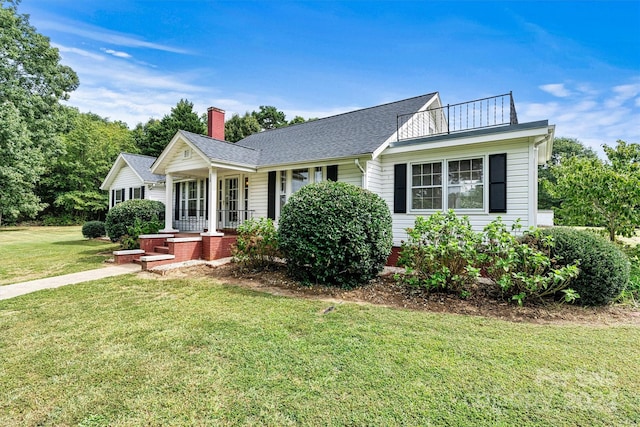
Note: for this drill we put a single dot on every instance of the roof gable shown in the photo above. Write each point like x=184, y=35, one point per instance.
x=138, y=163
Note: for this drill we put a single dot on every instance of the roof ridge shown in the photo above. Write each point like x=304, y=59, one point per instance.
x=138, y=155
x=235, y=144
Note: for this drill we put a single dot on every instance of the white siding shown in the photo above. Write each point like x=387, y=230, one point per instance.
x=156, y=193
x=374, y=175
x=350, y=173
x=258, y=183
x=179, y=164
x=126, y=179
x=519, y=194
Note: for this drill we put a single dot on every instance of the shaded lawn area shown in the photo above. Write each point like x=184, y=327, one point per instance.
x=131, y=351
x=29, y=253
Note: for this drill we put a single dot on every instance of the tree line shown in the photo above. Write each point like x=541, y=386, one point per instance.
x=53, y=158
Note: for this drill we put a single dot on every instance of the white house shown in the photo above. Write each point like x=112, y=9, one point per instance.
x=419, y=155
x=130, y=177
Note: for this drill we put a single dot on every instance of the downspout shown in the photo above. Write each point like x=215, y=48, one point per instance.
x=364, y=178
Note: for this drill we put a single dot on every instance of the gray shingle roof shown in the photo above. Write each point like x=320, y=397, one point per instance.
x=142, y=166
x=222, y=150
x=344, y=135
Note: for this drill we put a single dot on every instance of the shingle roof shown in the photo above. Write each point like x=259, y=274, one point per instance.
x=222, y=150
x=344, y=135
x=142, y=166
x=349, y=134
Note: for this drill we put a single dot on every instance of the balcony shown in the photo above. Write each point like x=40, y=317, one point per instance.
x=482, y=113
x=196, y=220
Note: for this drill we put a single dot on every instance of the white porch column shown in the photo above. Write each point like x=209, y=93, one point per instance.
x=212, y=203
x=168, y=205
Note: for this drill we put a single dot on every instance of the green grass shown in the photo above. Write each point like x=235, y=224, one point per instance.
x=28, y=253
x=129, y=351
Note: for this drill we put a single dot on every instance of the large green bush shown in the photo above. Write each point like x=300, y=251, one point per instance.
x=440, y=253
x=93, y=229
x=124, y=215
x=335, y=233
x=604, y=268
x=257, y=244
x=443, y=253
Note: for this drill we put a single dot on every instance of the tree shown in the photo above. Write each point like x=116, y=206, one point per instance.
x=21, y=164
x=270, y=117
x=32, y=83
x=602, y=194
x=563, y=148
x=90, y=148
x=154, y=136
x=237, y=128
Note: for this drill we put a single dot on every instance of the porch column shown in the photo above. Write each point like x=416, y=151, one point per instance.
x=168, y=205
x=212, y=203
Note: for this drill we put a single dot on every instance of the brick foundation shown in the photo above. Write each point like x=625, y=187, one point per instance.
x=392, y=261
x=216, y=247
x=185, y=251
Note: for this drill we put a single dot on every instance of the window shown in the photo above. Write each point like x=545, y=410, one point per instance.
x=318, y=174
x=426, y=186
x=118, y=196
x=465, y=184
x=137, y=192
x=299, y=178
x=463, y=188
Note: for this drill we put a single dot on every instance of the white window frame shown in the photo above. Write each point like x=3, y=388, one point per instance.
x=432, y=186
x=446, y=185
x=120, y=191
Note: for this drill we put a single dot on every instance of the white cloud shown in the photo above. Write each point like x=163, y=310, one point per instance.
x=76, y=51
x=103, y=35
x=589, y=115
x=556, y=89
x=116, y=53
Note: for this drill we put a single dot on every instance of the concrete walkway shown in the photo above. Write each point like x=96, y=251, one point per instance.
x=17, y=289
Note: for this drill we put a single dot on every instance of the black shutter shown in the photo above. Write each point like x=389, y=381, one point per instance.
x=206, y=200
x=142, y=192
x=400, y=188
x=177, y=206
x=271, y=196
x=130, y=193
x=498, y=183
x=113, y=198
x=332, y=173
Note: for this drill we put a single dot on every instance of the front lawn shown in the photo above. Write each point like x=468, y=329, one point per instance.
x=28, y=253
x=132, y=351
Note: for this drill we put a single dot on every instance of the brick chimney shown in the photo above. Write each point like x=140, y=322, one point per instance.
x=215, y=123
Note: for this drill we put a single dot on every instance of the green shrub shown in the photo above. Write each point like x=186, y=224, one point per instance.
x=130, y=240
x=444, y=253
x=257, y=244
x=523, y=268
x=335, y=233
x=93, y=229
x=123, y=215
x=440, y=253
x=604, y=268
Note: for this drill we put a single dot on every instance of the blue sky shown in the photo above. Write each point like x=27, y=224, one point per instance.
x=574, y=63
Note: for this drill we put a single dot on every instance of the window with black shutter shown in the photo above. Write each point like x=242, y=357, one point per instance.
x=271, y=195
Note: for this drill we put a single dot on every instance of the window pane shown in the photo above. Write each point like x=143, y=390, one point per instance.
x=318, y=175
x=299, y=178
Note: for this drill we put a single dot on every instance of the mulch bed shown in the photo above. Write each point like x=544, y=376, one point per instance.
x=385, y=291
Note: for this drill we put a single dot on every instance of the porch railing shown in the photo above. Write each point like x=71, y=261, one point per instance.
x=481, y=113
x=196, y=220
